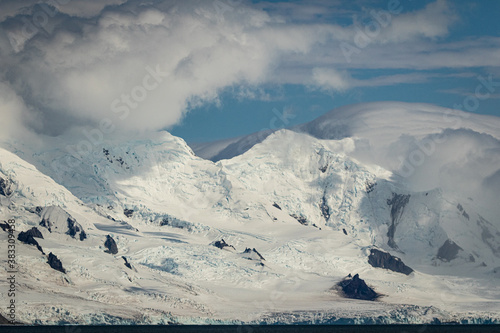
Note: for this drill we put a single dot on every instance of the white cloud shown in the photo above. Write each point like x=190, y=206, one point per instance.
x=330, y=79
x=95, y=60
x=431, y=22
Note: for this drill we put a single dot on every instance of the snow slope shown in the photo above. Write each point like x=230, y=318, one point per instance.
x=300, y=211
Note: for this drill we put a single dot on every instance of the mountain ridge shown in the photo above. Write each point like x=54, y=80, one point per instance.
x=313, y=208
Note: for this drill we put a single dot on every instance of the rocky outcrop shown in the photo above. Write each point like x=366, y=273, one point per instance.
x=28, y=237
x=252, y=254
x=128, y=212
x=56, y=219
x=35, y=210
x=398, y=204
x=301, y=219
x=276, y=206
x=55, y=263
x=325, y=210
x=385, y=260
x=110, y=245
x=5, y=187
x=5, y=226
x=222, y=244
x=354, y=287
x=75, y=228
x=448, y=251
x=33, y=232
x=127, y=264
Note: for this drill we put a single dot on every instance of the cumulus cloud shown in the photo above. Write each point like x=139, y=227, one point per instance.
x=141, y=65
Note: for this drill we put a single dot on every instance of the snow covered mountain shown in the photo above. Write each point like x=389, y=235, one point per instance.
x=265, y=235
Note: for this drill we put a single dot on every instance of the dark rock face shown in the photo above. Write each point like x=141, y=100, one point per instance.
x=46, y=223
x=448, y=251
x=36, y=210
x=110, y=244
x=345, y=232
x=254, y=251
x=276, y=205
x=325, y=210
x=55, y=263
x=128, y=212
x=33, y=232
x=222, y=244
x=28, y=237
x=5, y=226
x=74, y=228
x=385, y=260
x=302, y=220
x=126, y=262
x=5, y=187
x=398, y=204
x=370, y=187
x=356, y=288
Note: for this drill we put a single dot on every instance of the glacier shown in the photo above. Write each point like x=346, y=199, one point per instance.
x=313, y=200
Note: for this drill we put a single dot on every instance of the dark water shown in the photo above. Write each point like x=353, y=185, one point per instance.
x=259, y=329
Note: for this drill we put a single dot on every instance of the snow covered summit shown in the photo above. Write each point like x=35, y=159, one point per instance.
x=298, y=209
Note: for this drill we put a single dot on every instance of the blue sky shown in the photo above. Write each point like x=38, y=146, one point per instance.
x=208, y=70
x=442, y=86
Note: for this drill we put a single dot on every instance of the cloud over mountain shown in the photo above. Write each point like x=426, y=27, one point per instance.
x=139, y=65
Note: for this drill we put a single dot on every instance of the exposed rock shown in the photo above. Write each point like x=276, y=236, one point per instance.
x=398, y=204
x=5, y=226
x=252, y=254
x=28, y=237
x=110, y=245
x=276, y=205
x=448, y=251
x=46, y=223
x=128, y=212
x=126, y=262
x=325, y=210
x=345, y=232
x=370, y=186
x=357, y=288
x=302, y=220
x=176, y=223
x=36, y=210
x=74, y=228
x=55, y=263
x=385, y=260
x=5, y=187
x=222, y=244
x=33, y=232
x=56, y=219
